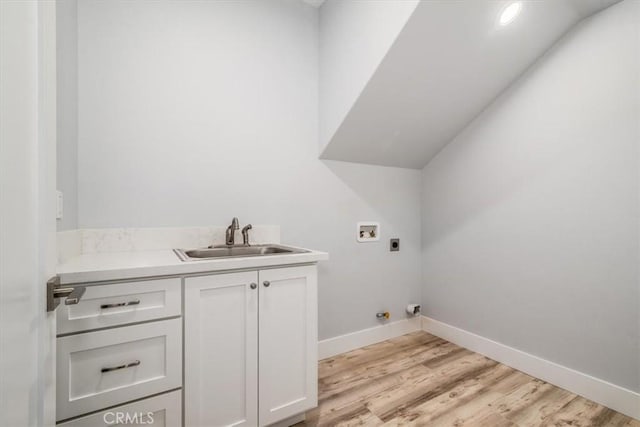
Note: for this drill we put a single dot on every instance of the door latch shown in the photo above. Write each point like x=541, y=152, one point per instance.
x=55, y=292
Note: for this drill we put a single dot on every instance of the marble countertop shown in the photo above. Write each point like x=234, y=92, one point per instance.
x=95, y=267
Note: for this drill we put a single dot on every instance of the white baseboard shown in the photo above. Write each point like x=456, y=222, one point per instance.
x=343, y=343
x=610, y=395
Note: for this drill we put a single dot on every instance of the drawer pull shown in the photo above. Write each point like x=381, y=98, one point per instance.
x=120, y=304
x=116, y=368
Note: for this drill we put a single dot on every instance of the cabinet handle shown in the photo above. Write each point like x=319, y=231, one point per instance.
x=253, y=286
x=266, y=283
x=120, y=304
x=116, y=368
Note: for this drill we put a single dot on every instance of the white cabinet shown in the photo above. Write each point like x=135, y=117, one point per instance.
x=250, y=337
x=288, y=363
x=221, y=350
x=122, y=342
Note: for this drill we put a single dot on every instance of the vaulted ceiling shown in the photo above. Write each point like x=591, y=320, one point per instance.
x=448, y=62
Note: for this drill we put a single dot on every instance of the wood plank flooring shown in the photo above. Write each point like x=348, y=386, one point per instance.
x=421, y=380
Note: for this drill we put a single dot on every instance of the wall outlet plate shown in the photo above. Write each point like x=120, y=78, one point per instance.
x=368, y=231
x=59, y=204
x=394, y=245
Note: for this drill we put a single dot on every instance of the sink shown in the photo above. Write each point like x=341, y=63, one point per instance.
x=235, y=251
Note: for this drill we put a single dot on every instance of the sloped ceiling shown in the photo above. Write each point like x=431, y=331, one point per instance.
x=451, y=59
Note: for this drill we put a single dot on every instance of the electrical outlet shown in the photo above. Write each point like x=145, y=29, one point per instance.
x=394, y=245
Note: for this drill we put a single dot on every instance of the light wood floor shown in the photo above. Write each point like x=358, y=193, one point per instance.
x=421, y=380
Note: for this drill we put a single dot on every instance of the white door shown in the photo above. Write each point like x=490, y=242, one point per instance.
x=288, y=342
x=221, y=350
x=27, y=212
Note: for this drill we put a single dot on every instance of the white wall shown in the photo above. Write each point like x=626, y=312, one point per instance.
x=354, y=38
x=530, y=216
x=191, y=113
x=67, y=108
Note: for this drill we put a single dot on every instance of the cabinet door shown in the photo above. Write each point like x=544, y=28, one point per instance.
x=288, y=339
x=221, y=352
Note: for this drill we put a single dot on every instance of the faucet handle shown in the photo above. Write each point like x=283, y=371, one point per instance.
x=235, y=224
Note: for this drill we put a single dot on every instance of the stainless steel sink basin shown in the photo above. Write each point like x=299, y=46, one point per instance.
x=235, y=251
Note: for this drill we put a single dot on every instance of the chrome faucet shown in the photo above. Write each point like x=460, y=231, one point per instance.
x=231, y=232
x=245, y=234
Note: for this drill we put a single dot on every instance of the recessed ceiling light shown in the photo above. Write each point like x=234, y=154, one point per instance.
x=510, y=12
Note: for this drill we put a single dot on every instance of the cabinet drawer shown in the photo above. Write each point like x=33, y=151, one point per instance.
x=99, y=369
x=159, y=411
x=121, y=303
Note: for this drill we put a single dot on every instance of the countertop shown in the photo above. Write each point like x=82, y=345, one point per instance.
x=96, y=267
